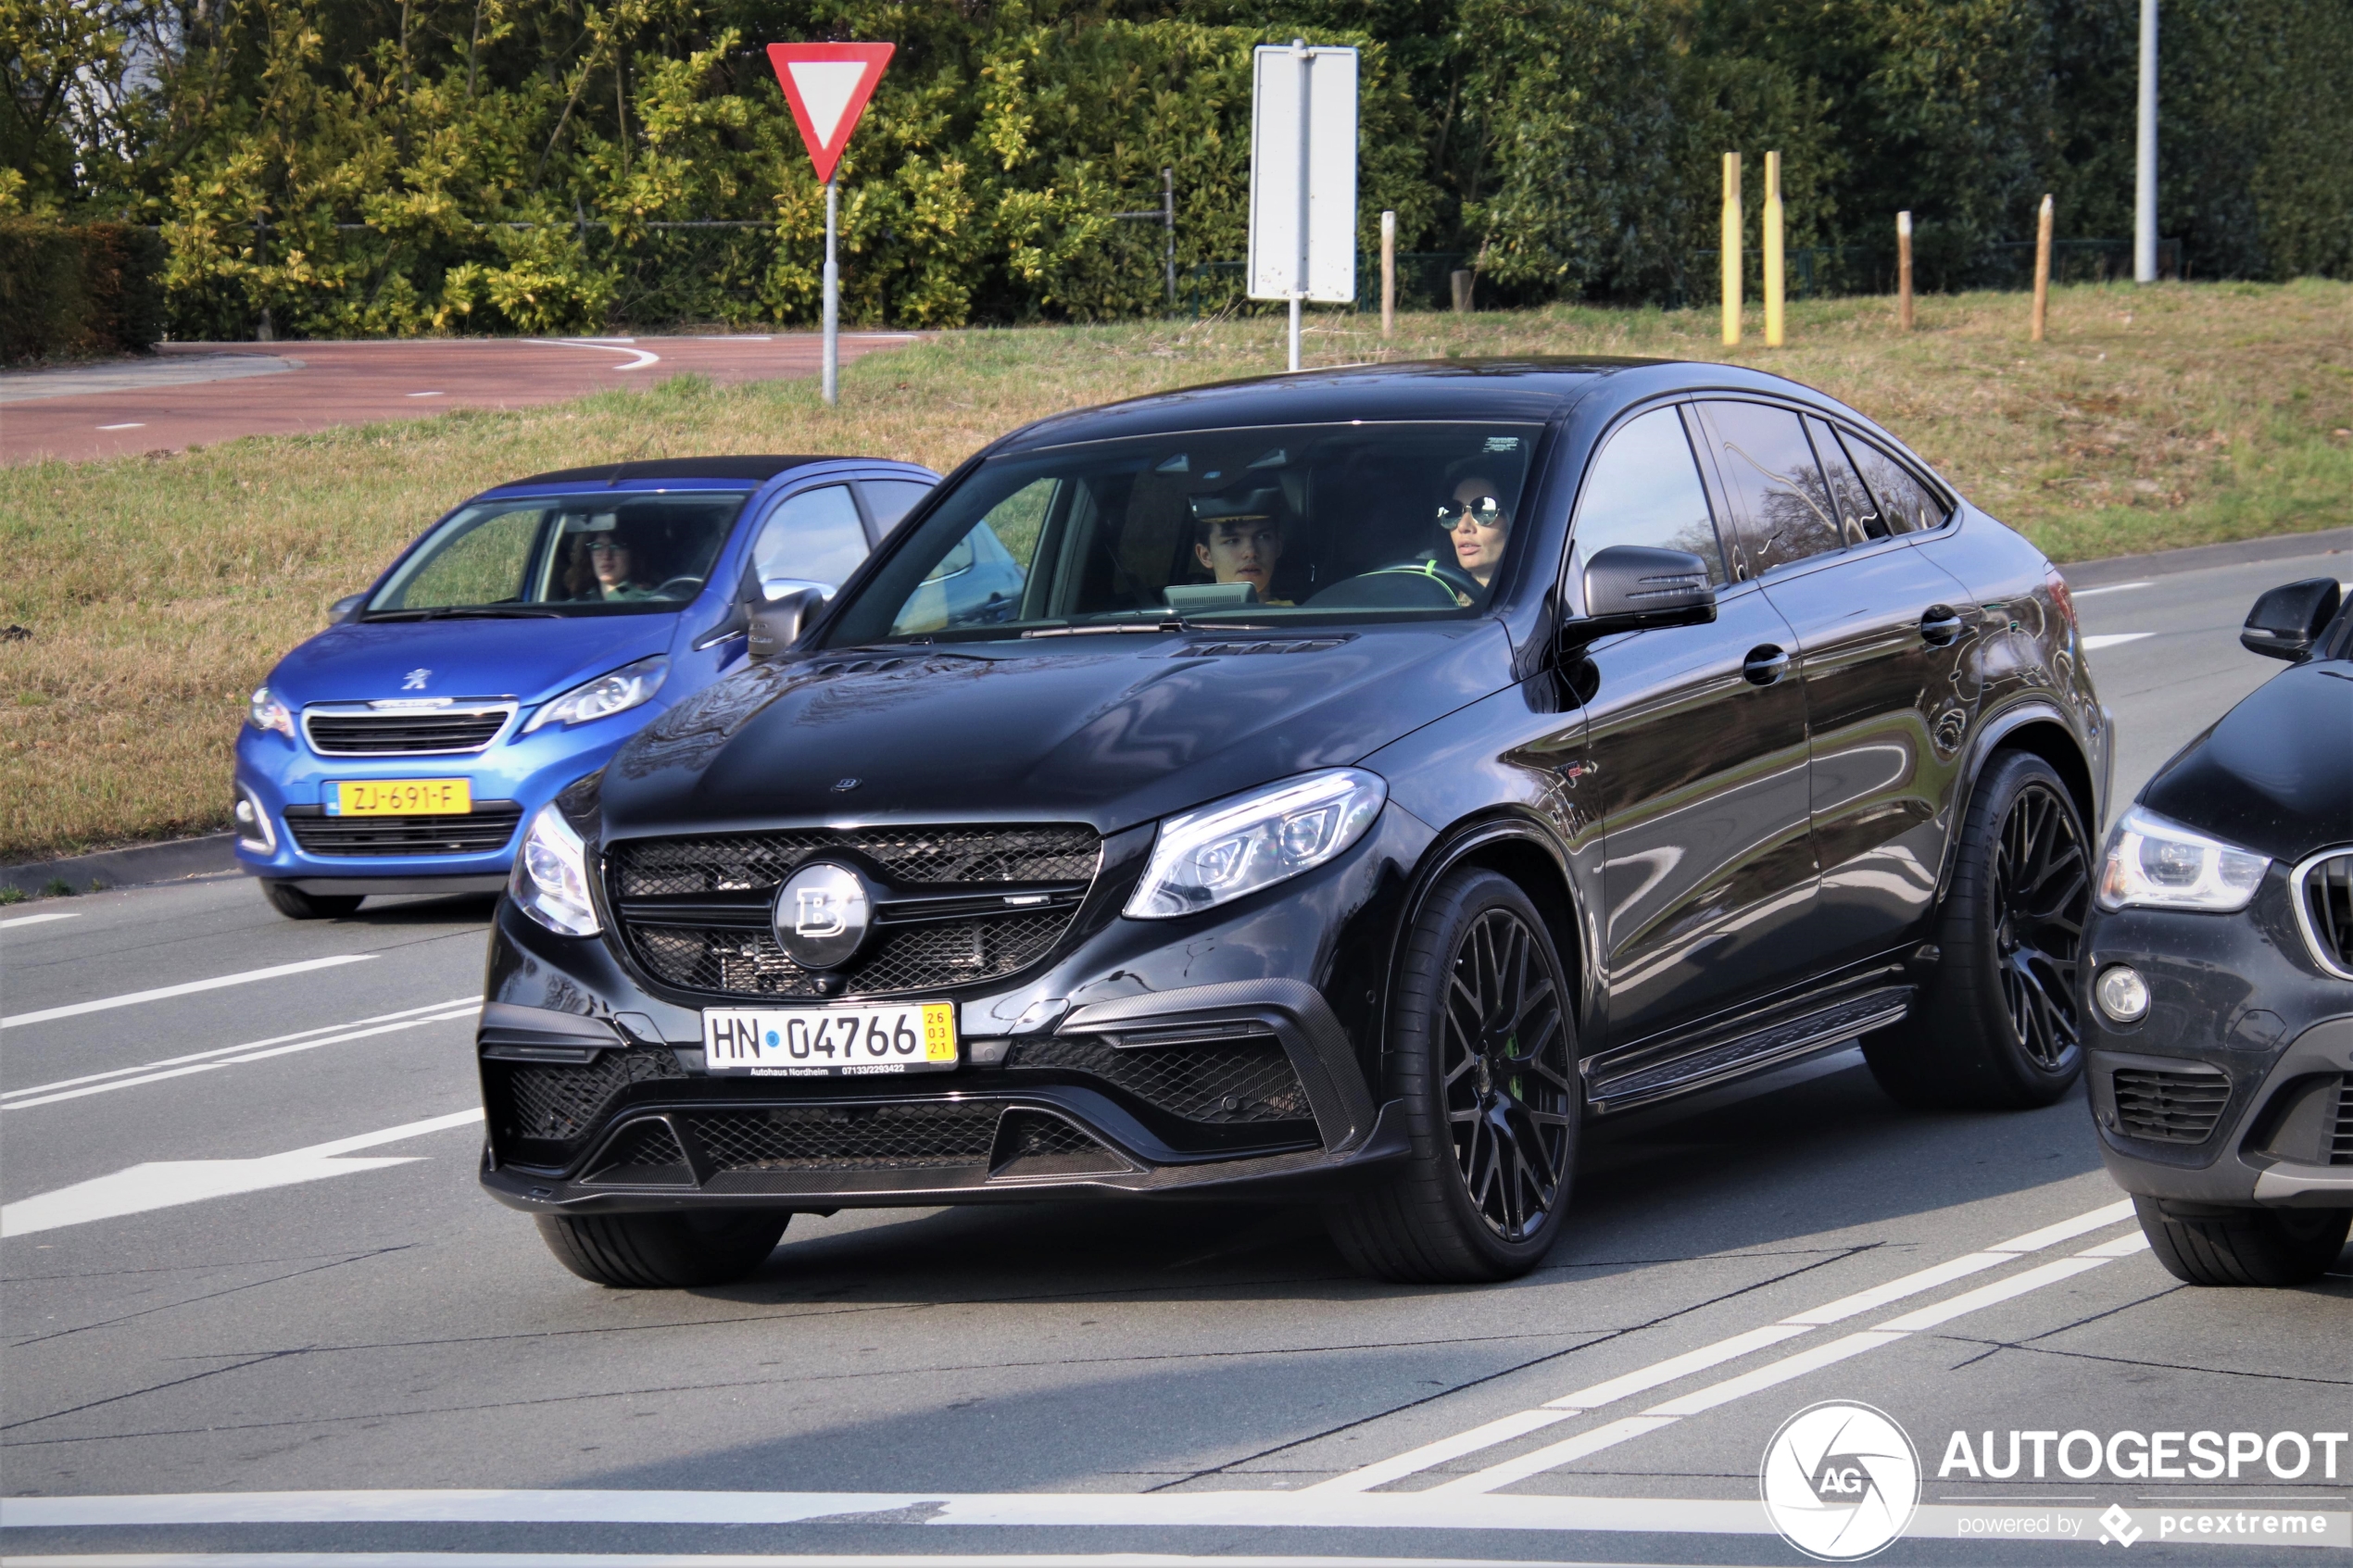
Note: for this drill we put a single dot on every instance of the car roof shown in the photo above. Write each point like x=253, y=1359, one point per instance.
x=756, y=469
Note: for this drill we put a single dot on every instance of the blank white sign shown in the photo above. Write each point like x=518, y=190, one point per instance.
x=1328, y=77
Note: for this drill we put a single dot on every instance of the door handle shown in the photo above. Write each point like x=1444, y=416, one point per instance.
x=1765, y=665
x=1941, y=626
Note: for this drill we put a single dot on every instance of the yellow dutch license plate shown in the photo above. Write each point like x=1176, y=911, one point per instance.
x=405, y=797
x=830, y=1042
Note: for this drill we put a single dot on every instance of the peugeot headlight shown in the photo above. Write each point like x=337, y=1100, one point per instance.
x=266, y=713
x=551, y=880
x=618, y=692
x=2154, y=863
x=1207, y=856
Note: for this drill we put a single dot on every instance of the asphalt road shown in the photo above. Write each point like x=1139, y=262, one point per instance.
x=254, y=1303
x=191, y=393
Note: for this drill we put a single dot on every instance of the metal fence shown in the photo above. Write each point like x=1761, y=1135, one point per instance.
x=1219, y=287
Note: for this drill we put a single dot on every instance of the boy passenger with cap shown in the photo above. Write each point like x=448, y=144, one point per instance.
x=1240, y=538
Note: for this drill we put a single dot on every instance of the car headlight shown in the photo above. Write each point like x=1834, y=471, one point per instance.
x=607, y=694
x=1218, y=852
x=266, y=713
x=551, y=880
x=2158, y=864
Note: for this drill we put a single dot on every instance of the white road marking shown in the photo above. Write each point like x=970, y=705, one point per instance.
x=2113, y=639
x=189, y=988
x=428, y=395
x=1788, y=1369
x=229, y=1056
x=2111, y=588
x=166, y=1184
x=613, y=346
x=1658, y=1373
x=734, y=1560
x=39, y=920
x=135, y=424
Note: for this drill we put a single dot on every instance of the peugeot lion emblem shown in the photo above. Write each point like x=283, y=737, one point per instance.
x=823, y=914
x=415, y=679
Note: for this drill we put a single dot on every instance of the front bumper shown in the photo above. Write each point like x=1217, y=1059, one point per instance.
x=1218, y=1054
x=2233, y=1089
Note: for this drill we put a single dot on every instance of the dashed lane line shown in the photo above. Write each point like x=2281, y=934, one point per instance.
x=1658, y=1373
x=1789, y=1368
x=187, y=988
x=39, y=920
x=229, y=1056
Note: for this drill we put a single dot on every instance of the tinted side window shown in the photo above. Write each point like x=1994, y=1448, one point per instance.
x=1858, y=517
x=1903, y=501
x=815, y=535
x=1785, y=510
x=1644, y=489
x=887, y=500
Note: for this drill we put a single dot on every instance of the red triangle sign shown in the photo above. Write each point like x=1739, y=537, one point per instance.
x=827, y=85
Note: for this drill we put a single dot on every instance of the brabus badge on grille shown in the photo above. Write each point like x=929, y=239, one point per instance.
x=415, y=679
x=823, y=913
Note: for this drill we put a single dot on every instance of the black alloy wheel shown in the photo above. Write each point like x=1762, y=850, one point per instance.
x=1482, y=1053
x=1999, y=1025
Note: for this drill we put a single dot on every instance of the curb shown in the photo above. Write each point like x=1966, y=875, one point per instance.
x=2198, y=557
x=181, y=857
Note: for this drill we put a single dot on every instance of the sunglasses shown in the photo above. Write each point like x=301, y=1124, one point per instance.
x=1486, y=511
x=607, y=547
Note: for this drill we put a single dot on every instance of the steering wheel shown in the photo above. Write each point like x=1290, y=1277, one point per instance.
x=1454, y=577
x=685, y=587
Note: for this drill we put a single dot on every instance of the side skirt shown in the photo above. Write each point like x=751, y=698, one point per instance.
x=1773, y=1045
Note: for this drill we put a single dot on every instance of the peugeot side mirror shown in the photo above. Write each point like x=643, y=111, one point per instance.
x=345, y=608
x=2288, y=619
x=1631, y=587
x=775, y=618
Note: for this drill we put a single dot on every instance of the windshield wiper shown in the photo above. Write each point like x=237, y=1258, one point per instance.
x=1169, y=621
x=463, y=612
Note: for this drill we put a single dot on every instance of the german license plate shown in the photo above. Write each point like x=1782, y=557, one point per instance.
x=404, y=798
x=830, y=1042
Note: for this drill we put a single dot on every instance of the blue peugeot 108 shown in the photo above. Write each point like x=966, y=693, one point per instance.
x=513, y=646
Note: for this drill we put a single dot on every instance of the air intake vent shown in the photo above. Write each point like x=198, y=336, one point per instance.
x=488, y=826
x=2179, y=1105
x=1271, y=646
x=2341, y=1135
x=434, y=732
x=2324, y=903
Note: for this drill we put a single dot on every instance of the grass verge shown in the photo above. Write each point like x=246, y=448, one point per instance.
x=158, y=591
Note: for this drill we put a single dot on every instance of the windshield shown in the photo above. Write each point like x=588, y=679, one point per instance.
x=1310, y=524
x=604, y=554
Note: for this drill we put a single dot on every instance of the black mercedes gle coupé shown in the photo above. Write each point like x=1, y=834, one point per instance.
x=1363, y=779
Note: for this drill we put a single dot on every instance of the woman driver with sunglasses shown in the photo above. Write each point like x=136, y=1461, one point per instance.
x=1478, y=526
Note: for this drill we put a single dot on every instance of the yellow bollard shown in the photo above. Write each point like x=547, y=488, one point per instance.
x=1731, y=250
x=2042, y=267
x=1902, y=271
x=1773, y=278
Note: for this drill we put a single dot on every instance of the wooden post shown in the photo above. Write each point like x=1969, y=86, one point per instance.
x=1903, y=271
x=2042, y=268
x=1773, y=278
x=1389, y=274
x=1731, y=250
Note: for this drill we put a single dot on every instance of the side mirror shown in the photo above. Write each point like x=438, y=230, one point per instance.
x=345, y=608
x=2288, y=619
x=1629, y=587
x=775, y=618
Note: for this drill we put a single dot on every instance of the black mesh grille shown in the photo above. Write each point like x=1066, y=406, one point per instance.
x=1246, y=1080
x=646, y=1150
x=564, y=1104
x=390, y=734
x=920, y=957
x=2341, y=1135
x=488, y=826
x=754, y=862
x=2328, y=901
x=1029, y=1135
x=2180, y=1106
x=863, y=1137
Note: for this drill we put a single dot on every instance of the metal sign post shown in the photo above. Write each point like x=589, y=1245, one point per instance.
x=827, y=85
x=1302, y=178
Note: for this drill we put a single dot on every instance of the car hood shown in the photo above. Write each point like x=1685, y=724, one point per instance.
x=2275, y=774
x=529, y=660
x=1113, y=733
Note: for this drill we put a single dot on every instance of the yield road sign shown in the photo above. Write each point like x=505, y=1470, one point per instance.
x=827, y=85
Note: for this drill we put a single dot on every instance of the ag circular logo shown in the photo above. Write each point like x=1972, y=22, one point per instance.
x=823, y=914
x=1840, y=1481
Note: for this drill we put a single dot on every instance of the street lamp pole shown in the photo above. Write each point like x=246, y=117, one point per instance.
x=2145, y=164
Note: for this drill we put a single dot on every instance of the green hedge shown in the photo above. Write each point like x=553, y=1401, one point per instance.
x=72, y=292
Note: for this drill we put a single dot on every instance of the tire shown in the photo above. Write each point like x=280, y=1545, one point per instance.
x=2261, y=1247
x=294, y=904
x=1999, y=1026
x=673, y=1251
x=1482, y=1053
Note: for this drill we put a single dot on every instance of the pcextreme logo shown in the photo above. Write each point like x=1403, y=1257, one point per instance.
x=1840, y=1481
